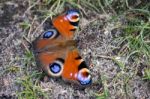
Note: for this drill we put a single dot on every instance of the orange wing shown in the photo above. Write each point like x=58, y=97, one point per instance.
x=75, y=69
x=67, y=23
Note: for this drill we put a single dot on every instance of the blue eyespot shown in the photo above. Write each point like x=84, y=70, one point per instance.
x=73, y=17
x=55, y=68
x=86, y=82
x=48, y=34
x=84, y=77
x=72, y=11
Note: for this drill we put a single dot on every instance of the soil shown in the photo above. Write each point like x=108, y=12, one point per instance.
x=95, y=45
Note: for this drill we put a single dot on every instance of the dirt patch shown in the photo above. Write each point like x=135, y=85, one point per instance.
x=10, y=40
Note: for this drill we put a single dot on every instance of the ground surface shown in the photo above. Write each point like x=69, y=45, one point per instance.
x=96, y=47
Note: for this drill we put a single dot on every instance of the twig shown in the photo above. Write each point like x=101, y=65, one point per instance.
x=30, y=30
x=106, y=57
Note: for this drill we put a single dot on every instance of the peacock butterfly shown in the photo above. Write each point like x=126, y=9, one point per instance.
x=56, y=51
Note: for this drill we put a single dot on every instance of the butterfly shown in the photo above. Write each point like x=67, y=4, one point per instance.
x=56, y=51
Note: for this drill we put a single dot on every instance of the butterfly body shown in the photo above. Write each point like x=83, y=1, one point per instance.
x=57, y=53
